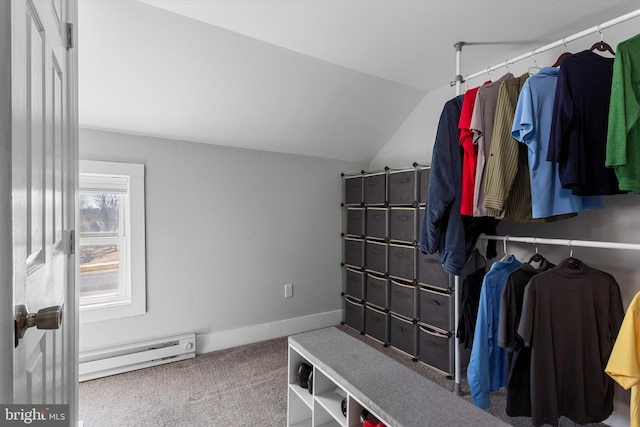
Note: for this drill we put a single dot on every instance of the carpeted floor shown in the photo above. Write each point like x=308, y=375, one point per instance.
x=237, y=387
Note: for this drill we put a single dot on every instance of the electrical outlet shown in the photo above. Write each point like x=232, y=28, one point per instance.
x=288, y=290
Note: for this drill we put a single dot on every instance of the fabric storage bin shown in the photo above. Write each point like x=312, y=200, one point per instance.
x=431, y=272
x=377, y=220
x=376, y=256
x=353, y=190
x=355, y=283
x=402, y=261
x=402, y=225
x=354, y=314
x=402, y=187
x=437, y=308
x=403, y=334
x=423, y=187
x=377, y=290
x=376, y=323
x=354, y=252
x=436, y=348
x=375, y=190
x=403, y=299
x=355, y=222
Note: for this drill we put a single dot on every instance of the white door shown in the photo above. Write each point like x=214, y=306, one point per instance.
x=39, y=159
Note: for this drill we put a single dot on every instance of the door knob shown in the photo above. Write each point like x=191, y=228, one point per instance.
x=45, y=318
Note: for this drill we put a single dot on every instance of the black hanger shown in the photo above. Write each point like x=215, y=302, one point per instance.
x=561, y=58
x=602, y=46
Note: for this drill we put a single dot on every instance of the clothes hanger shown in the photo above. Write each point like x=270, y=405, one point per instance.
x=571, y=261
x=504, y=247
x=535, y=67
x=561, y=58
x=601, y=46
x=536, y=257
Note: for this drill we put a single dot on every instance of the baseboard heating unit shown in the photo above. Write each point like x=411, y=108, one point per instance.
x=116, y=360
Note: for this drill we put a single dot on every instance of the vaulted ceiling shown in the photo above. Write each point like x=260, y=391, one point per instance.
x=327, y=78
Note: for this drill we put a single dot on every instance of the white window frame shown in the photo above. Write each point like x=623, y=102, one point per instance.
x=132, y=267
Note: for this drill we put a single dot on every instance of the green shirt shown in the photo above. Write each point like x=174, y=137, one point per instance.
x=623, y=133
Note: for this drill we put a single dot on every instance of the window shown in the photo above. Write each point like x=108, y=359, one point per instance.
x=112, y=240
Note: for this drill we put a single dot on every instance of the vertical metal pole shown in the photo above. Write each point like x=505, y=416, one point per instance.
x=456, y=350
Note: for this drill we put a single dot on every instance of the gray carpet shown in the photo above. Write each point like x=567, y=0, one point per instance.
x=238, y=387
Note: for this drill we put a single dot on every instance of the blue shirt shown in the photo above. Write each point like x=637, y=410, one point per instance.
x=488, y=366
x=532, y=125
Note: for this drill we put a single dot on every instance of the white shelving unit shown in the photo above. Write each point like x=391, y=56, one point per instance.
x=347, y=368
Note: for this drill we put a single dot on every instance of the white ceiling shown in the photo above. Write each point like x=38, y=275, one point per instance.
x=327, y=78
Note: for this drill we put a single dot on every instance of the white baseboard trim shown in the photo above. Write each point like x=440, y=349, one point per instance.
x=206, y=343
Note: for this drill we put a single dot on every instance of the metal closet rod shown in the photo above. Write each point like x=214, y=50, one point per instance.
x=565, y=242
x=561, y=42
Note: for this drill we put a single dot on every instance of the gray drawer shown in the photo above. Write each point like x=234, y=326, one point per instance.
x=354, y=314
x=436, y=348
x=353, y=190
x=376, y=257
x=403, y=299
x=375, y=188
x=402, y=261
x=355, y=283
x=403, y=225
x=354, y=252
x=403, y=334
x=423, y=188
x=431, y=272
x=377, y=221
x=402, y=187
x=437, y=308
x=355, y=222
x=376, y=323
x=377, y=290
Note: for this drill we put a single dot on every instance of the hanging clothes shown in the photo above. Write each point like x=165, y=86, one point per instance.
x=470, y=154
x=484, y=112
x=486, y=371
x=579, y=125
x=531, y=125
x=518, y=384
x=623, y=132
x=472, y=277
x=624, y=362
x=443, y=228
x=571, y=315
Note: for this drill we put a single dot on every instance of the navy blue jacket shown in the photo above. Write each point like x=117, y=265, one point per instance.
x=444, y=230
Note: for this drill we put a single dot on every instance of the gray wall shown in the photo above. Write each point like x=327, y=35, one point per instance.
x=619, y=221
x=225, y=229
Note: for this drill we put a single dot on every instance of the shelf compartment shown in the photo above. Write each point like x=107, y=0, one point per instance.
x=299, y=413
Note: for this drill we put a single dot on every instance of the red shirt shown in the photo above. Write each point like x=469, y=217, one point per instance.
x=470, y=157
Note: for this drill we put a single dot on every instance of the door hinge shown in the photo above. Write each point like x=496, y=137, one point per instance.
x=69, y=35
x=72, y=242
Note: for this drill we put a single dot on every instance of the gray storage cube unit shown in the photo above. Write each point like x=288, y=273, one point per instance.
x=354, y=314
x=377, y=223
x=355, y=283
x=437, y=308
x=402, y=187
x=376, y=256
x=353, y=190
x=431, y=272
x=403, y=334
x=377, y=290
x=354, y=252
x=423, y=187
x=402, y=261
x=403, y=225
x=375, y=188
x=403, y=299
x=355, y=222
x=376, y=323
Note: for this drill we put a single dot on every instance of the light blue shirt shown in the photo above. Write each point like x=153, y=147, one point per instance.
x=487, y=370
x=532, y=125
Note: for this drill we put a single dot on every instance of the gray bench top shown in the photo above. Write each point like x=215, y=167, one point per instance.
x=400, y=396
